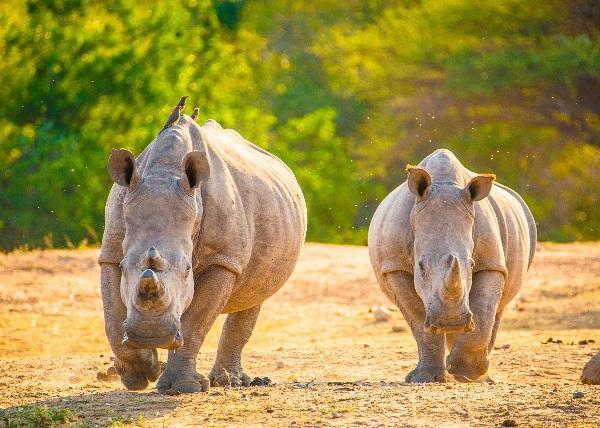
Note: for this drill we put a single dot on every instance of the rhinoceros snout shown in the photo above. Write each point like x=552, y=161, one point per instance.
x=173, y=342
x=436, y=324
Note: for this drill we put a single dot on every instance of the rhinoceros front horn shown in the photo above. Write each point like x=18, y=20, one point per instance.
x=155, y=261
x=453, y=281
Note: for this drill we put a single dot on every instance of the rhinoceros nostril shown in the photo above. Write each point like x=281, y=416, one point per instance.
x=148, y=273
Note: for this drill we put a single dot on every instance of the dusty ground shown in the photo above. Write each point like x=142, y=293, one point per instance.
x=339, y=367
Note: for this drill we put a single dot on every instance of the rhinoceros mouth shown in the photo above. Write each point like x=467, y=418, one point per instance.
x=466, y=325
x=171, y=341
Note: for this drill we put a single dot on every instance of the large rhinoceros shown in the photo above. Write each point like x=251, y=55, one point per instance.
x=201, y=223
x=451, y=248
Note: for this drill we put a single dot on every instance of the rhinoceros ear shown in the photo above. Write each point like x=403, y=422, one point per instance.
x=479, y=187
x=196, y=169
x=419, y=180
x=121, y=167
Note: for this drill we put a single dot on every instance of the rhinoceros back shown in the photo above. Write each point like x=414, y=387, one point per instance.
x=254, y=220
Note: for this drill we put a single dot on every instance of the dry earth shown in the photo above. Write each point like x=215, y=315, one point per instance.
x=331, y=363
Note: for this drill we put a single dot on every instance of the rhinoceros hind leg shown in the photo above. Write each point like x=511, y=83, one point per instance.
x=591, y=371
x=237, y=330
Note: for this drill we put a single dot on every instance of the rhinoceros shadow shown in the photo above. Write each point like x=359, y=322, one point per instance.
x=97, y=409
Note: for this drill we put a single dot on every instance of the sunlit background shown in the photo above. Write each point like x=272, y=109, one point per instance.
x=346, y=92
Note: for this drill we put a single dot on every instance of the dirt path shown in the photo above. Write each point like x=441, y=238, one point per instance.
x=339, y=366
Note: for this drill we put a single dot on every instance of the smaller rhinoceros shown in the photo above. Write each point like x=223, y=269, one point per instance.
x=201, y=223
x=451, y=248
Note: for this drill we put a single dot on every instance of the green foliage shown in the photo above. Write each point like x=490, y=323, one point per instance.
x=326, y=172
x=37, y=417
x=346, y=93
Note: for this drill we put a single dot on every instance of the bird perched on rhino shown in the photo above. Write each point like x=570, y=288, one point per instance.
x=202, y=223
x=451, y=248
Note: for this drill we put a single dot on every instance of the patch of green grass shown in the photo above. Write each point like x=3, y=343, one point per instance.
x=124, y=421
x=34, y=416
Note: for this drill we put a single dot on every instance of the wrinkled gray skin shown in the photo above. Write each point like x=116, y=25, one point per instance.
x=591, y=371
x=451, y=248
x=201, y=223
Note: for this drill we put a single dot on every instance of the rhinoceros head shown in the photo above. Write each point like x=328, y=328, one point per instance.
x=442, y=221
x=160, y=210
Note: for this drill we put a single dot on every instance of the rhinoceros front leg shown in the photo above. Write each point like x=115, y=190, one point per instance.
x=212, y=290
x=431, y=366
x=468, y=360
x=591, y=371
x=135, y=366
x=237, y=330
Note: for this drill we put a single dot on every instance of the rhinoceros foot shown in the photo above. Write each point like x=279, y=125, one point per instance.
x=137, y=373
x=184, y=380
x=232, y=376
x=591, y=371
x=426, y=375
x=468, y=366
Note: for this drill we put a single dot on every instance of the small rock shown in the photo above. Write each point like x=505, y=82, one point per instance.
x=172, y=392
x=112, y=372
x=509, y=423
x=398, y=328
x=280, y=364
x=336, y=415
x=366, y=345
x=503, y=347
x=269, y=410
x=260, y=381
x=578, y=394
x=381, y=313
x=279, y=349
x=101, y=377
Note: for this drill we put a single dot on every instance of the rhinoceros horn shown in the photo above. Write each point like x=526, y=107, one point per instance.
x=453, y=281
x=154, y=260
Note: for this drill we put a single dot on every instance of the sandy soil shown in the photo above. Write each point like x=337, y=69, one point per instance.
x=331, y=363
